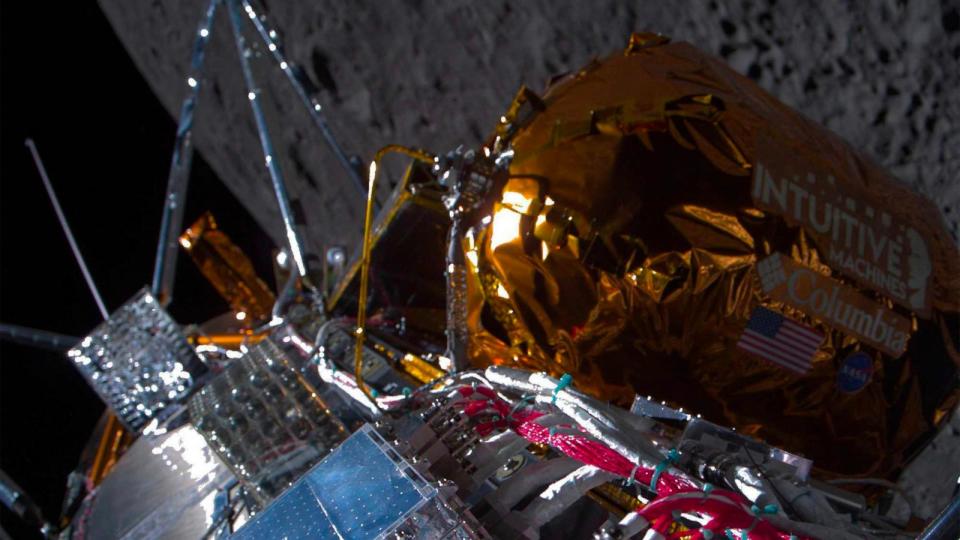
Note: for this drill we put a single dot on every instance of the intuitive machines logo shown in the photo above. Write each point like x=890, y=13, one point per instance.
x=859, y=240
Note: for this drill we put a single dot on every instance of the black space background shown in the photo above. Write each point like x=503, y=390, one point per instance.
x=67, y=82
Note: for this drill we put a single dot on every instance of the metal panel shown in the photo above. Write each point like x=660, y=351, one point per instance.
x=163, y=488
x=138, y=361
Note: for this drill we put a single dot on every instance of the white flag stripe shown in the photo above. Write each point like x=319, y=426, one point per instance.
x=765, y=355
x=795, y=358
x=800, y=332
x=789, y=340
x=801, y=353
x=772, y=356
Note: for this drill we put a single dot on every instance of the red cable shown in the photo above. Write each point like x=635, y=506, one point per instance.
x=661, y=512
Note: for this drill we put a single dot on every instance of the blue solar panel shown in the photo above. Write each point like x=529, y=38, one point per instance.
x=361, y=490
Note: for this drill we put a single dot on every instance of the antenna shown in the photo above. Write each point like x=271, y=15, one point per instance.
x=66, y=228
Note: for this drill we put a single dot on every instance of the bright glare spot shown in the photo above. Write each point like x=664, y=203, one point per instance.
x=241, y=315
x=485, y=220
x=472, y=257
x=185, y=242
x=283, y=65
x=502, y=292
x=204, y=32
x=486, y=151
x=272, y=47
x=445, y=363
x=190, y=447
x=506, y=227
x=373, y=172
x=282, y=258
x=251, y=96
x=191, y=82
x=516, y=200
x=544, y=250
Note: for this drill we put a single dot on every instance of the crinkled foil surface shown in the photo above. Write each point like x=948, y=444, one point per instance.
x=657, y=201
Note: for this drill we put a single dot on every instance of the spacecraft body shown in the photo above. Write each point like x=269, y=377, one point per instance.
x=662, y=214
x=655, y=303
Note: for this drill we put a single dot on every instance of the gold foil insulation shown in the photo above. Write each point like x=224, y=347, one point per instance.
x=228, y=269
x=626, y=246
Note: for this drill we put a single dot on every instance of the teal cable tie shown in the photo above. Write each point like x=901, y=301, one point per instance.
x=768, y=509
x=672, y=457
x=519, y=404
x=707, y=534
x=564, y=382
x=374, y=393
x=407, y=391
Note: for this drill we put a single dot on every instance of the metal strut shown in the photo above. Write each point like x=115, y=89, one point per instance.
x=179, y=176
x=164, y=268
x=273, y=167
x=301, y=84
x=33, y=337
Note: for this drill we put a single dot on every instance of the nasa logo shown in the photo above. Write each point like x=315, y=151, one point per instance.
x=855, y=372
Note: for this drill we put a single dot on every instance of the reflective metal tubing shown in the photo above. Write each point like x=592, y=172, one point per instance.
x=164, y=268
x=33, y=337
x=298, y=80
x=946, y=525
x=273, y=167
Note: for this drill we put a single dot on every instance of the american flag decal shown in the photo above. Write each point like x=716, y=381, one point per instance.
x=775, y=338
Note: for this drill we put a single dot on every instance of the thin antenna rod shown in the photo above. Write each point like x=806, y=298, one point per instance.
x=66, y=228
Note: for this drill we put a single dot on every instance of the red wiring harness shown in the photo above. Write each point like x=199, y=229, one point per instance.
x=722, y=512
